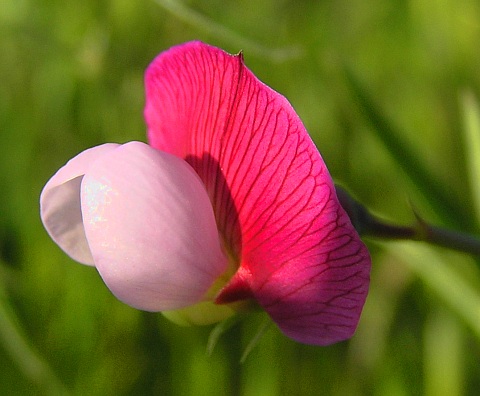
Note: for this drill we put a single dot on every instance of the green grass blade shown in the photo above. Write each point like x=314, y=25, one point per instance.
x=414, y=168
x=441, y=275
x=194, y=18
x=471, y=128
x=219, y=330
x=18, y=347
x=444, y=367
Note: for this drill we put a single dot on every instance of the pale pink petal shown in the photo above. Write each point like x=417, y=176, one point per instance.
x=151, y=228
x=273, y=197
x=60, y=204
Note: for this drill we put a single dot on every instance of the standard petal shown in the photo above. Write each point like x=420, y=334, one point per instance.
x=60, y=204
x=273, y=197
x=151, y=228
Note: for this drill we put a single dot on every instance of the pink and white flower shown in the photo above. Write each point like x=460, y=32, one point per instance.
x=229, y=203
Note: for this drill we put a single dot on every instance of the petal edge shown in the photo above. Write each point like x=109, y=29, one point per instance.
x=151, y=228
x=60, y=204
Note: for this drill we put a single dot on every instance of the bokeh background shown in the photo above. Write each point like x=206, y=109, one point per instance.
x=388, y=90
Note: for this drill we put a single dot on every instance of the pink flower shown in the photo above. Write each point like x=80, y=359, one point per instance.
x=231, y=203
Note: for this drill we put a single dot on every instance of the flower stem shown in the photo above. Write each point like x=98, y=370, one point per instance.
x=369, y=225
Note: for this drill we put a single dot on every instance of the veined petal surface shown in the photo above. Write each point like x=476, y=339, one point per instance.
x=151, y=228
x=273, y=198
x=60, y=209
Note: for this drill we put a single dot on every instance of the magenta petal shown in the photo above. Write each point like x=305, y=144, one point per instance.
x=273, y=197
x=151, y=228
x=60, y=204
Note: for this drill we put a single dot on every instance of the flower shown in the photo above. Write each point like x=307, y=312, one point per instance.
x=230, y=203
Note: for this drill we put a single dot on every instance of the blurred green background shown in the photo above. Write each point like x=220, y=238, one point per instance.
x=389, y=92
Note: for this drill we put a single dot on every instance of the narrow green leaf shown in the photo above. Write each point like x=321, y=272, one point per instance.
x=256, y=339
x=392, y=138
x=444, y=363
x=194, y=18
x=441, y=275
x=18, y=347
x=219, y=330
x=471, y=128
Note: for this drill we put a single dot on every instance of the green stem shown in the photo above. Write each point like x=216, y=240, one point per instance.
x=369, y=225
x=455, y=240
